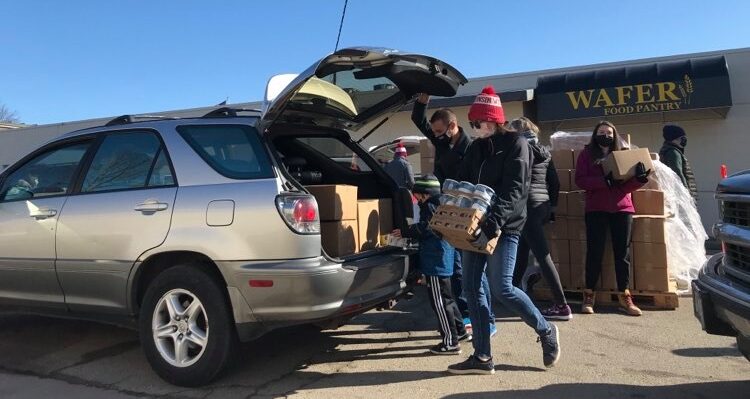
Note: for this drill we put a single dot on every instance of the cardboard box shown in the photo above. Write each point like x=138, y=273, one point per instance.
x=649, y=255
x=649, y=229
x=557, y=230
x=622, y=163
x=562, y=204
x=563, y=159
x=576, y=228
x=576, y=203
x=573, y=185
x=427, y=166
x=339, y=238
x=368, y=221
x=648, y=202
x=459, y=227
x=564, y=176
x=654, y=156
x=335, y=201
x=656, y=280
x=426, y=149
x=560, y=251
x=385, y=212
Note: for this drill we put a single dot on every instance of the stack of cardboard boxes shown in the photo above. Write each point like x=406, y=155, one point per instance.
x=567, y=236
x=348, y=225
x=427, y=157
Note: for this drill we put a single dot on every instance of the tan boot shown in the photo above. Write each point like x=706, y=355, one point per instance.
x=588, y=302
x=626, y=303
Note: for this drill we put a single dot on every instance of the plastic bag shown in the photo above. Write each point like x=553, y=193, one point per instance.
x=686, y=252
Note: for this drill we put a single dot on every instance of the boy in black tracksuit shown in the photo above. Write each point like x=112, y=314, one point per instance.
x=436, y=263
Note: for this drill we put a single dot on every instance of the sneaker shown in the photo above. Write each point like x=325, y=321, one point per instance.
x=550, y=346
x=493, y=330
x=627, y=305
x=558, y=312
x=588, y=302
x=472, y=365
x=465, y=337
x=442, y=349
x=467, y=324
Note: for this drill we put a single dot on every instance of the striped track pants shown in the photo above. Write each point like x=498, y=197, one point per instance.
x=444, y=304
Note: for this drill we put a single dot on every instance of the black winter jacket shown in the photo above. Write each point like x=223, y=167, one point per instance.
x=545, y=186
x=447, y=159
x=502, y=162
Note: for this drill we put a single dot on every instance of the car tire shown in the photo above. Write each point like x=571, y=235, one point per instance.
x=185, y=326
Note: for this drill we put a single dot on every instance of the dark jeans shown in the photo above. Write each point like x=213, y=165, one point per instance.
x=533, y=238
x=619, y=225
x=501, y=262
x=444, y=304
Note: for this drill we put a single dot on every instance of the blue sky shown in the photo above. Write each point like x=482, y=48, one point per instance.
x=76, y=59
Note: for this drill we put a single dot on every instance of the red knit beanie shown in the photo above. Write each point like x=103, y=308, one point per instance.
x=487, y=107
x=400, y=150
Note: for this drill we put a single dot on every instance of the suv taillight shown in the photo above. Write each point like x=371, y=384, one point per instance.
x=300, y=212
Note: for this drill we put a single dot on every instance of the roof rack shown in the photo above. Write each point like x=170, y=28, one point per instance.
x=126, y=119
x=225, y=112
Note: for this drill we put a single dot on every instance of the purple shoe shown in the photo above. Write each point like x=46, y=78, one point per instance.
x=558, y=312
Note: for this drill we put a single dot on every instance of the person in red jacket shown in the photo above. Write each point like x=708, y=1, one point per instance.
x=608, y=207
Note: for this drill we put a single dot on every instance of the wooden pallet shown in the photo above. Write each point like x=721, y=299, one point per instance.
x=643, y=299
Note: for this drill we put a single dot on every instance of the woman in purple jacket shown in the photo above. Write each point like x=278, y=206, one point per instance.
x=608, y=207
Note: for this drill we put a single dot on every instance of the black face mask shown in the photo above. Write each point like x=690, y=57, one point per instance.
x=604, y=141
x=443, y=138
x=683, y=141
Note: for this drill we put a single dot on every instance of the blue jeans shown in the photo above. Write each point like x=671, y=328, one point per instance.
x=501, y=262
x=458, y=289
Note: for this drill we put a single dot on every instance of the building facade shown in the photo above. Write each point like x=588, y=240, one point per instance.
x=708, y=94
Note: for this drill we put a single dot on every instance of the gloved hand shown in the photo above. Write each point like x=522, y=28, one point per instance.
x=610, y=180
x=641, y=174
x=489, y=227
x=481, y=241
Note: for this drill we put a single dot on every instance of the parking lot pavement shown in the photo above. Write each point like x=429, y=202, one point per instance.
x=663, y=354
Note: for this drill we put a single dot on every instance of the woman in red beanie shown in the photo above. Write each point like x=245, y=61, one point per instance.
x=499, y=158
x=608, y=207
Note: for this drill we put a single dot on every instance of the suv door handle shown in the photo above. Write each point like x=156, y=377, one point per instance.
x=151, y=206
x=42, y=213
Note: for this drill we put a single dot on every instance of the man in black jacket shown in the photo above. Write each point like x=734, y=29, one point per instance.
x=449, y=139
x=672, y=154
x=451, y=143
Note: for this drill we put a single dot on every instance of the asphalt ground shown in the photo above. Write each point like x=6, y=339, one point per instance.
x=663, y=354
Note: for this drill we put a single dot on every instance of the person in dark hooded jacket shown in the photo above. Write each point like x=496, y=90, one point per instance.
x=672, y=154
x=436, y=263
x=500, y=159
x=543, y=195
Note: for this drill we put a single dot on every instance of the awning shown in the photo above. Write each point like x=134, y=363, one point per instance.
x=700, y=83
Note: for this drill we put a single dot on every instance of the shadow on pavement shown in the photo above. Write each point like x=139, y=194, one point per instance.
x=719, y=389
x=708, y=352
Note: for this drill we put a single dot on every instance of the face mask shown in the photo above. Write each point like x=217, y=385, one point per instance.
x=604, y=141
x=683, y=141
x=443, y=138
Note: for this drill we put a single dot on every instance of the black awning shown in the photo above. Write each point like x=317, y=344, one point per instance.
x=698, y=83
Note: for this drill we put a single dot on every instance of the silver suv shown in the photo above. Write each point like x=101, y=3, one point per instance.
x=199, y=232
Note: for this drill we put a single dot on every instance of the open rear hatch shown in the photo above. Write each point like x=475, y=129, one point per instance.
x=354, y=86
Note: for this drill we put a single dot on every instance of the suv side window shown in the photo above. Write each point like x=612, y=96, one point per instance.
x=125, y=160
x=235, y=151
x=49, y=173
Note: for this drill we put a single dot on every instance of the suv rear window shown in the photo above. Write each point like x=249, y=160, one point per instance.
x=235, y=151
